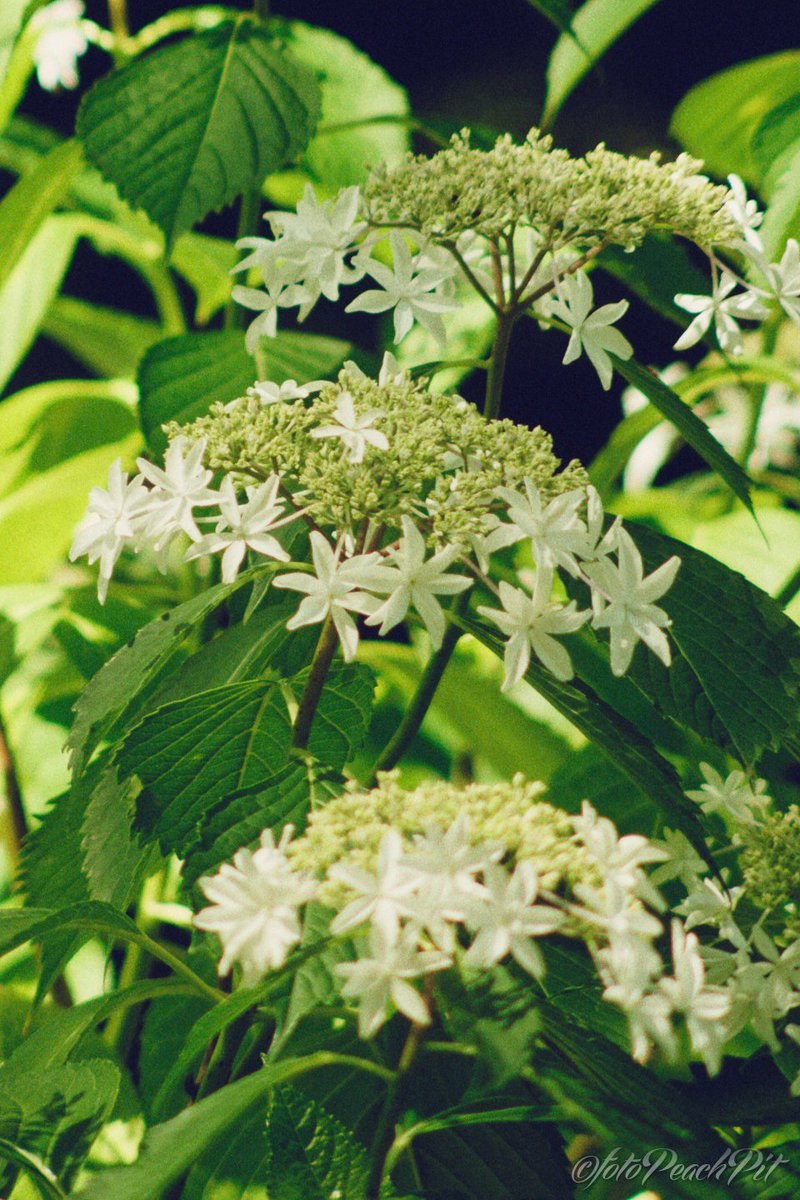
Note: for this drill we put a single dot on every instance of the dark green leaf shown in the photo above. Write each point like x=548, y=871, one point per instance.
x=308, y=1153
x=507, y=1162
x=182, y=377
x=557, y=12
x=656, y=272
x=737, y=671
x=695, y=431
x=232, y=107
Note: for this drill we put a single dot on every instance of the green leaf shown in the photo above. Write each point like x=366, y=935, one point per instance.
x=31, y=200
x=557, y=12
x=656, y=272
x=56, y=1114
x=30, y=288
x=354, y=89
x=782, y=217
x=232, y=107
x=523, y=1161
x=695, y=431
x=108, y=341
x=116, y=687
x=616, y=736
x=21, y=925
x=182, y=377
x=595, y=26
x=309, y=1153
x=737, y=672
x=206, y=264
x=718, y=119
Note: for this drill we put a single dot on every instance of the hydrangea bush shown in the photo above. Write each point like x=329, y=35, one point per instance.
x=435, y=798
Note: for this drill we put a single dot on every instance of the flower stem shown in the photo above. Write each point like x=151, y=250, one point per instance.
x=384, y=1134
x=409, y=726
x=249, y=216
x=497, y=365
x=320, y=665
x=118, y=19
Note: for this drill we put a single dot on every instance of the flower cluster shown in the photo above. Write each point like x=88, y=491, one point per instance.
x=407, y=495
x=60, y=41
x=445, y=878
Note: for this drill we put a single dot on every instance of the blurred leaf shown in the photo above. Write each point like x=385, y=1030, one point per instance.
x=656, y=272
x=31, y=201
x=595, y=27
x=232, y=107
x=782, y=217
x=737, y=675
x=695, y=431
x=27, y=293
x=718, y=119
x=353, y=89
x=206, y=263
x=172, y=371
x=523, y=1161
x=734, y=540
x=109, y=341
x=557, y=12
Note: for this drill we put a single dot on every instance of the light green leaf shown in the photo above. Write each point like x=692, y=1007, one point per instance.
x=172, y=372
x=21, y=925
x=596, y=25
x=736, y=676
x=782, y=217
x=717, y=120
x=206, y=263
x=734, y=540
x=29, y=290
x=115, y=689
x=354, y=89
x=232, y=107
x=31, y=201
x=695, y=431
x=109, y=341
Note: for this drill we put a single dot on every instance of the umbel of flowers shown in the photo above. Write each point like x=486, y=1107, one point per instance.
x=454, y=879
x=407, y=497
x=519, y=225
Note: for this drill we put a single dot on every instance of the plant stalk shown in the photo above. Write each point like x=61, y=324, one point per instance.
x=320, y=665
x=384, y=1134
x=497, y=365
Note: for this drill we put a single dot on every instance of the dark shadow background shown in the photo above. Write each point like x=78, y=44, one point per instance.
x=483, y=61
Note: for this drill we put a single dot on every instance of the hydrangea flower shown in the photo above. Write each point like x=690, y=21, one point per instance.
x=114, y=520
x=60, y=43
x=592, y=331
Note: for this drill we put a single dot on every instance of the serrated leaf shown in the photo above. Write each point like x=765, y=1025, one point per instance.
x=115, y=688
x=617, y=737
x=180, y=378
x=31, y=201
x=595, y=26
x=232, y=107
x=18, y=926
x=309, y=1153
x=695, y=431
x=740, y=678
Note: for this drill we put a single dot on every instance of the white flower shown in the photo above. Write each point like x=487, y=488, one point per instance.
x=620, y=859
x=245, y=526
x=707, y=904
x=382, y=980
x=278, y=294
x=278, y=393
x=411, y=293
x=114, y=520
x=317, y=239
x=764, y=992
x=793, y=1031
x=681, y=860
x=613, y=909
x=592, y=332
x=335, y=590
x=650, y=1024
x=744, y=212
x=355, y=432
x=703, y=1007
x=784, y=969
x=529, y=623
x=784, y=280
x=447, y=863
x=624, y=603
x=60, y=43
x=178, y=489
x=725, y=310
x=556, y=531
x=255, y=904
x=507, y=920
x=383, y=897
x=412, y=580
x=733, y=797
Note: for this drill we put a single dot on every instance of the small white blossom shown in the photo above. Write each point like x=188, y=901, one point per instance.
x=733, y=797
x=624, y=603
x=784, y=281
x=447, y=862
x=356, y=432
x=113, y=520
x=382, y=980
x=412, y=580
x=60, y=43
x=724, y=310
x=336, y=589
x=744, y=212
x=267, y=392
x=277, y=294
x=592, y=332
x=178, y=488
x=703, y=1007
x=620, y=859
x=410, y=292
x=507, y=920
x=255, y=903
x=530, y=623
x=707, y=904
x=244, y=527
x=318, y=237
x=381, y=898
x=556, y=532
x=681, y=860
